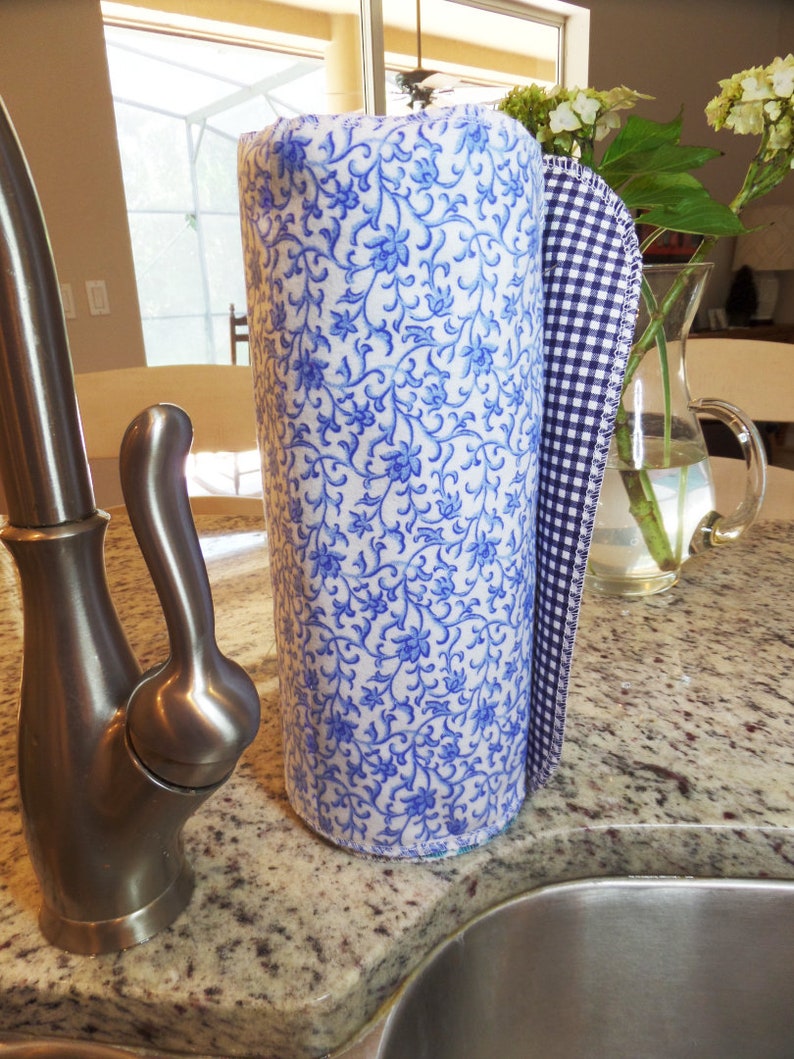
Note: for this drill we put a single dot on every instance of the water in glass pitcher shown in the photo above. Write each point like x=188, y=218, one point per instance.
x=684, y=493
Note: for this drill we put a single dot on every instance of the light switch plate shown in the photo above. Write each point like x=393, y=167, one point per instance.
x=67, y=300
x=97, y=292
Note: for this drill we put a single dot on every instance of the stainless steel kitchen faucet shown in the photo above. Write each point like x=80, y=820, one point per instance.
x=111, y=763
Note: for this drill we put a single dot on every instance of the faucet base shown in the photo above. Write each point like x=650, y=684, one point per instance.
x=109, y=935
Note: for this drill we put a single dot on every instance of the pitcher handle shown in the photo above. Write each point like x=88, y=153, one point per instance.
x=715, y=529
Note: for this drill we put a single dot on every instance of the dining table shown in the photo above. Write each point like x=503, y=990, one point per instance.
x=678, y=760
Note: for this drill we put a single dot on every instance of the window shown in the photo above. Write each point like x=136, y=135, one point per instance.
x=185, y=88
x=472, y=53
x=181, y=104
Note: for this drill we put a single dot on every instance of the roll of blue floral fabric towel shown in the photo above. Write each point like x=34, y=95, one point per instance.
x=395, y=298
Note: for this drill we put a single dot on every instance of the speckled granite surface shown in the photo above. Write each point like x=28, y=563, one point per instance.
x=679, y=759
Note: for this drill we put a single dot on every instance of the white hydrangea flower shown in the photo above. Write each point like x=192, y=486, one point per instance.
x=782, y=77
x=754, y=86
x=746, y=118
x=563, y=119
x=780, y=137
x=587, y=107
x=606, y=123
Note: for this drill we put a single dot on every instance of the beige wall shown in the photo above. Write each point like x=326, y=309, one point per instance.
x=54, y=81
x=678, y=51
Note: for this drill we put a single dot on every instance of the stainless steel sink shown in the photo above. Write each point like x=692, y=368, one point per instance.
x=53, y=1049
x=606, y=969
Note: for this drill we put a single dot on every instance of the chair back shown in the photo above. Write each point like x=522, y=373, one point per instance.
x=758, y=377
x=238, y=333
x=219, y=399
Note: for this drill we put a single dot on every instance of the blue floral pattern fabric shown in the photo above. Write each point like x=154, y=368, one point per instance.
x=397, y=337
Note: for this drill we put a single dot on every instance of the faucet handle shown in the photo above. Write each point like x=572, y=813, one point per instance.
x=189, y=719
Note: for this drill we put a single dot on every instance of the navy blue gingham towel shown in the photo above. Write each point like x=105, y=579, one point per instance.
x=592, y=270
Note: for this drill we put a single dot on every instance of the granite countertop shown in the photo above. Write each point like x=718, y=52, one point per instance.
x=677, y=760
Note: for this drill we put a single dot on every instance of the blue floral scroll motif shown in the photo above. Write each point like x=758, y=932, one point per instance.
x=395, y=300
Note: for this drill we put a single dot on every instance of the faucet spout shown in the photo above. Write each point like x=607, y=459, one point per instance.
x=44, y=471
x=111, y=762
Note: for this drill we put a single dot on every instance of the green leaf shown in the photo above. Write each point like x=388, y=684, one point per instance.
x=658, y=189
x=651, y=171
x=663, y=189
x=640, y=134
x=644, y=146
x=669, y=158
x=696, y=215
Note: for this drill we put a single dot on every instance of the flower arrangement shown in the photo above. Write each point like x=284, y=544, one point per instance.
x=652, y=171
x=646, y=163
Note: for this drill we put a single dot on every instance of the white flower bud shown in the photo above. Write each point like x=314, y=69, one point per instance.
x=563, y=119
x=586, y=107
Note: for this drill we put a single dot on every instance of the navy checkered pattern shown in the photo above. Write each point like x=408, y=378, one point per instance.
x=592, y=271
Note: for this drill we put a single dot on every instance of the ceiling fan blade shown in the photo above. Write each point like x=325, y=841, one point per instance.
x=438, y=80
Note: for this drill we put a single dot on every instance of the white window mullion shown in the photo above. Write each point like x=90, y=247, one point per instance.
x=372, y=56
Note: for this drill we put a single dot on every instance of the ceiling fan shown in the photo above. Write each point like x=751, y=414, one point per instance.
x=420, y=84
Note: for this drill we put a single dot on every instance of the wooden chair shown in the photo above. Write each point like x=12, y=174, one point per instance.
x=758, y=377
x=219, y=398
x=728, y=478
x=238, y=332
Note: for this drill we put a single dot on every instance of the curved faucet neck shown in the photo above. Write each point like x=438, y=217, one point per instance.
x=43, y=465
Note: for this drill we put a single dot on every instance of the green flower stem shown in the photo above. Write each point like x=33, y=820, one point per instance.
x=763, y=174
x=643, y=505
x=642, y=499
x=664, y=370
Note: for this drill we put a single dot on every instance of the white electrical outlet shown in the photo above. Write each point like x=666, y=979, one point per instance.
x=97, y=292
x=67, y=300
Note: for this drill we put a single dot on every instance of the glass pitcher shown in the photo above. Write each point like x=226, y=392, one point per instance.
x=656, y=507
